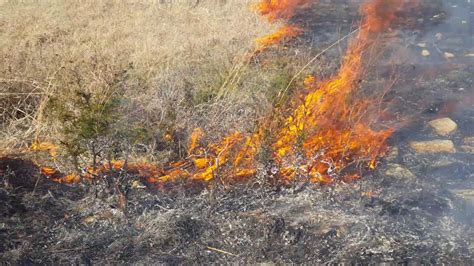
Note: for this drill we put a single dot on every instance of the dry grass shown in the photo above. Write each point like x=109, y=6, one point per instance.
x=178, y=64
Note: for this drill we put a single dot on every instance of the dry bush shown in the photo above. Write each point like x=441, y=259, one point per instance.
x=175, y=65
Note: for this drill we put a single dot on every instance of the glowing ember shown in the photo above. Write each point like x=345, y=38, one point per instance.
x=48, y=171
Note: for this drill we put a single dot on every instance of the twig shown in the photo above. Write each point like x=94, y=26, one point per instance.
x=36, y=184
x=221, y=251
x=22, y=93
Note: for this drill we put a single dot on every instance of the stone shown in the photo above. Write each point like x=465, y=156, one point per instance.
x=468, y=145
x=468, y=141
x=467, y=194
x=89, y=220
x=398, y=171
x=467, y=149
x=433, y=146
x=443, y=126
x=137, y=185
x=392, y=155
x=443, y=162
x=448, y=55
x=425, y=53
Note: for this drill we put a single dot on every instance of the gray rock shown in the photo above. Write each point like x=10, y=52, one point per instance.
x=468, y=145
x=398, y=171
x=467, y=194
x=443, y=162
x=469, y=141
x=467, y=149
x=433, y=146
x=392, y=155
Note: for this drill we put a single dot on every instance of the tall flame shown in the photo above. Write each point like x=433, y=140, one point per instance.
x=334, y=126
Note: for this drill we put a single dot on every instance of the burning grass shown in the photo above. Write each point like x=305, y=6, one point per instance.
x=275, y=10
x=325, y=138
x=175, y=66
x=281, y=9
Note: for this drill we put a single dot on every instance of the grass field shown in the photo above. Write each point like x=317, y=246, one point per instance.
x=165, y=67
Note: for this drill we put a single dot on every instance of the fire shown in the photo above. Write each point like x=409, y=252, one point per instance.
x=276, y=37
x=195, y=137
x=327, y=137
x=330, y=130
x=48, y=171
x=280, y=9
x=46, y=146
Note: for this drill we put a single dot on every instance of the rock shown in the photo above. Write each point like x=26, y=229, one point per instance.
x=468, y=145
x=425, y=53
x=433, y=146
x=467, y=149
x=467, y=194
x=137, y=185
x=443, y=126
x=448, y=55
x=398, y=171
x=89, y=220
x=443, y=162
x=469, y=141
x=392, y=154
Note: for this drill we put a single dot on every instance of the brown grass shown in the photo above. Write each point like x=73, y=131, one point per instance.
x=179, y=64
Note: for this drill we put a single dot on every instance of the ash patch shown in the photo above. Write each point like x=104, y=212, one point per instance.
x=376, y=219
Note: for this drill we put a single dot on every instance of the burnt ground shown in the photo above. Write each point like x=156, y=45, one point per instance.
x=414, y=208
x=378, y=218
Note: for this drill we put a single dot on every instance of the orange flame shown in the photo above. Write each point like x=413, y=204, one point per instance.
x=46, y=146
x=280, y=9
x=48, y=171
x=276, y=37
x=334, y=126
x=195, y=137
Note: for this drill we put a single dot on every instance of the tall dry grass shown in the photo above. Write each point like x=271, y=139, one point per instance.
x=178, y=64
